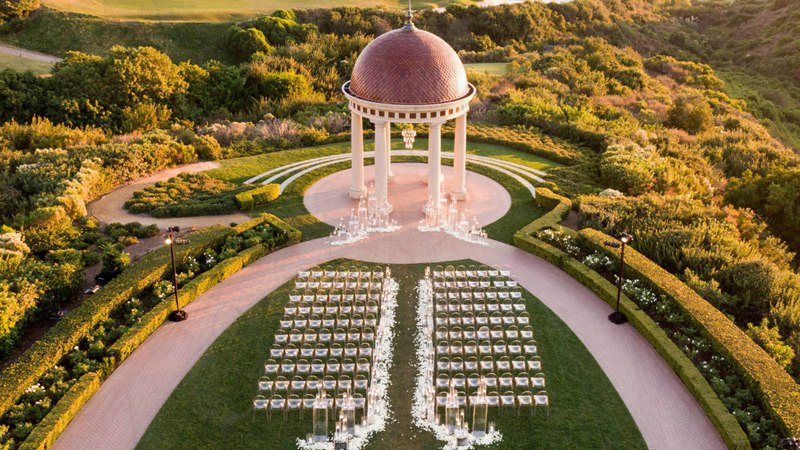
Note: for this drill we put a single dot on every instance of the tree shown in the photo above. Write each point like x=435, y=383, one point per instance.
x=16, y=9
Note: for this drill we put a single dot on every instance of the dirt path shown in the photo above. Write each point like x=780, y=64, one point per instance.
x=29, y=54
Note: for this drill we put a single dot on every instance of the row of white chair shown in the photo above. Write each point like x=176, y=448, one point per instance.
x=506, y=399
x=483, y=333
x=508, y=381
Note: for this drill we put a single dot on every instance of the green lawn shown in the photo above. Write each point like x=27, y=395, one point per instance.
x=211, y=406
x=290, y=206
x=207, y=10
x=490, y=68
x=21, y=64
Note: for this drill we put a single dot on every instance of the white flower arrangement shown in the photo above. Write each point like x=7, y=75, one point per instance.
x=559, y=239
x=384, y=349
x=419, y=407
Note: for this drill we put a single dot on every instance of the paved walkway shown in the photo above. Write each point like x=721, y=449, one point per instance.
x=487, y=201
x=109, y=208
x=119, y=413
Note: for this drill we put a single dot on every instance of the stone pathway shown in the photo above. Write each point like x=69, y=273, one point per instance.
x=119, y=413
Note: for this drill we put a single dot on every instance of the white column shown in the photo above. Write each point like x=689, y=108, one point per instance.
x=381, y=176
x=357, y=189
x=389, y=172
x=435, y=163
x=459, y=191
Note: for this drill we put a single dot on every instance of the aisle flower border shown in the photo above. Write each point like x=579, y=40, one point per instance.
x=384, y=350
x=419, y=409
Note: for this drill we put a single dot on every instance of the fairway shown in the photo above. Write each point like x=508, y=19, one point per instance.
x=208, y=11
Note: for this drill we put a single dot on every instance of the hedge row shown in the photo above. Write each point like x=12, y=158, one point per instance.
x=48, y=350
x=558, y=207
x=128, y=342
x=247, y=200
x=778, y=392
x=65, y=410
x=723, y=420
x=48, y=430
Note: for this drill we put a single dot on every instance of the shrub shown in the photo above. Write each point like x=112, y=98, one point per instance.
x=769, y=338
x=207, y=148
x=692, y=114
x=259, y=196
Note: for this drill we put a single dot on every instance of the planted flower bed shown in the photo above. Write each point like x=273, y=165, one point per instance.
x=78, y=373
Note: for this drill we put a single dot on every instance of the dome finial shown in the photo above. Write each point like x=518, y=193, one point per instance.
x=409, y=25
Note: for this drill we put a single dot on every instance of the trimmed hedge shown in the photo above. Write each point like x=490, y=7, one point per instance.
x=723, y=420
x=778, y=392
x=247, y=200
x=48, y=350
x=47, y=431
x=45, y=434
x=137, y=334
x=558, y=207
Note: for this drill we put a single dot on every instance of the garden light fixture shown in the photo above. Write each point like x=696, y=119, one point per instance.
x=617, y=317
x=178, y=315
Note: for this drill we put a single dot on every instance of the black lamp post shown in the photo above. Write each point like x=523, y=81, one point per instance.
x=617, y=317
x=178, y=315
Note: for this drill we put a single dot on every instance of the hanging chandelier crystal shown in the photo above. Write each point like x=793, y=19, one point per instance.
x=408, y=137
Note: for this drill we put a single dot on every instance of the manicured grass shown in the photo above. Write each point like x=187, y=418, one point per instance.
x=210, y=408
x=490, y=68
x=207, y=10
x=289, y=206
x=21, y=64
x=56, y=32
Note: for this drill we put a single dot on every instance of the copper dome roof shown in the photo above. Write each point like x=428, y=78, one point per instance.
x=409, y=67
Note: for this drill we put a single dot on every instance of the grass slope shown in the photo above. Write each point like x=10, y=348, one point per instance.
x=56, y=32
x=210, y=408
x=21, y=64
x=206, y=10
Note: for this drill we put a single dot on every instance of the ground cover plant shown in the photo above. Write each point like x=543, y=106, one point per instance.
x=582, y=397
x=187, y=194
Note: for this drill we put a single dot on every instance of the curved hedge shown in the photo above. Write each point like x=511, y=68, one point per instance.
x=723, y=420
x=45, y=434
x=47, y=431
x=48, y=350
x=778, y=392
x=247, y=200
